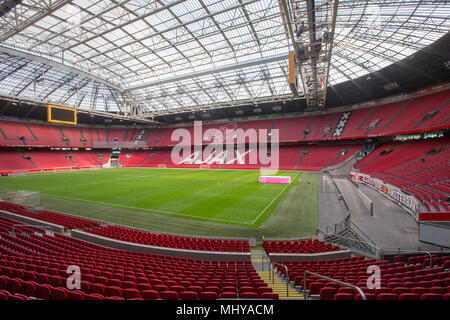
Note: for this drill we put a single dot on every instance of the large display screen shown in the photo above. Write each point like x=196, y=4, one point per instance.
x=61, y=114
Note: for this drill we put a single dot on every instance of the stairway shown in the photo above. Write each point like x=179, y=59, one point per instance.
x=277, y=283
x=350, y=239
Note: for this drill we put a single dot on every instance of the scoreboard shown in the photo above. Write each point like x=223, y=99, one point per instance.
x=61, y=114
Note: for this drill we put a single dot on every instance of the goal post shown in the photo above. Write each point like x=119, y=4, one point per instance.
x=23, y=197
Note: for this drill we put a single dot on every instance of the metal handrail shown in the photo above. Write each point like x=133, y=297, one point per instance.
x=398, y=250
x=287, y=275
x=345, y=284
x=375, y=248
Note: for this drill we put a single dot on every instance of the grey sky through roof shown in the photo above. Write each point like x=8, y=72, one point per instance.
x=163, y=56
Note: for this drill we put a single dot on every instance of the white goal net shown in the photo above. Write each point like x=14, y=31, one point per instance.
x=24, y=197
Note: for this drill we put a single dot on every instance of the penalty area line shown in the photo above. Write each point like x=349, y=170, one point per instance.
x=267, y=207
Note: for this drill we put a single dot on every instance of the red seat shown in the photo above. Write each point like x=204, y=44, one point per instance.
x=131, y=293
x=205, y=295
x=430, y=296
x=177, y=288
x=229, y=295
x=94, y=296
x=75, y=295
x=59, y=294
x=387, y=296
x=15, y=285
x=194, y=289
x=409, y=296
x=29, y=288
x=269, y=295
x=344, y=296
x=420, y=290
x=98, y=288
x=160, y=288
x=212, y=289
x=327, y=293
x=188, y=295
x=246, y=289
x=44, y=291
x=169, y=295
x=3, y=295
x=249, y=295
x=114, y=291
x=150, y=295
x=438, y=290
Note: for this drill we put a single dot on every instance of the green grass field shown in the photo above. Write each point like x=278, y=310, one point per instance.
x=209, y=202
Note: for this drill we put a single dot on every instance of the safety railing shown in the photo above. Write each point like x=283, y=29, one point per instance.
x=388, y=251
x=344, y=284
x=286, y=275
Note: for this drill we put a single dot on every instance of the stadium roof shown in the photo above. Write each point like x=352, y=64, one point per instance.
x=161, y=57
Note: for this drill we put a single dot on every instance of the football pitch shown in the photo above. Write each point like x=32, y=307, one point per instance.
x=171, y=200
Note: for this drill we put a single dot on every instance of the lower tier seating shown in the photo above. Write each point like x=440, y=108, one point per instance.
x=129, y=234
x=413, y=280
x=34, y=266
x=299, y=246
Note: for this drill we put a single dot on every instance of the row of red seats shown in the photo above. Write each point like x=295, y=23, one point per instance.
x=33, y=161
x=299, y=246
x=131, y=235
x=417, y=167
x=397, y=278
x=43, y=259
x=301, y=157
x=67, y=221
x=416, y=114
x=171, y=241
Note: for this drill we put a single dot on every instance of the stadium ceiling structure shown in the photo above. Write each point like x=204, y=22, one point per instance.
x=145, y=58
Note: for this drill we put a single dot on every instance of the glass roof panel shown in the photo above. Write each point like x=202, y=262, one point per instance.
x=192, y=53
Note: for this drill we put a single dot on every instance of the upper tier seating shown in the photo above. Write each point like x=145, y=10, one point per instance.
x=426, y=112
x=35, y=266
x=397, y=278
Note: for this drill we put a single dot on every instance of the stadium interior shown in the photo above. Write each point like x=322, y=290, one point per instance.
x=102, y=198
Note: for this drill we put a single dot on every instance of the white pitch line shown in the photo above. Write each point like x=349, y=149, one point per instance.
x=143, y=209
x=257, y=217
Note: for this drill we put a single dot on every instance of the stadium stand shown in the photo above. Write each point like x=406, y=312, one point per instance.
x=397, y=278
x=417, y=167
x=171, y=241
x=129, y=234
x=34, y=266
x=298, y=246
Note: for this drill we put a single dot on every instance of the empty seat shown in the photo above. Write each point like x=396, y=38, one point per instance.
x=327, y=293
x=205, y=295
x=59, y=294
x=131, y=293
x=409, y=296
x=344, y=296
x=269, y=295
x=430, y=296
x=169, y=295
x=188, y=295
x=150, y=295
x=228, y=295
x=387, y=296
